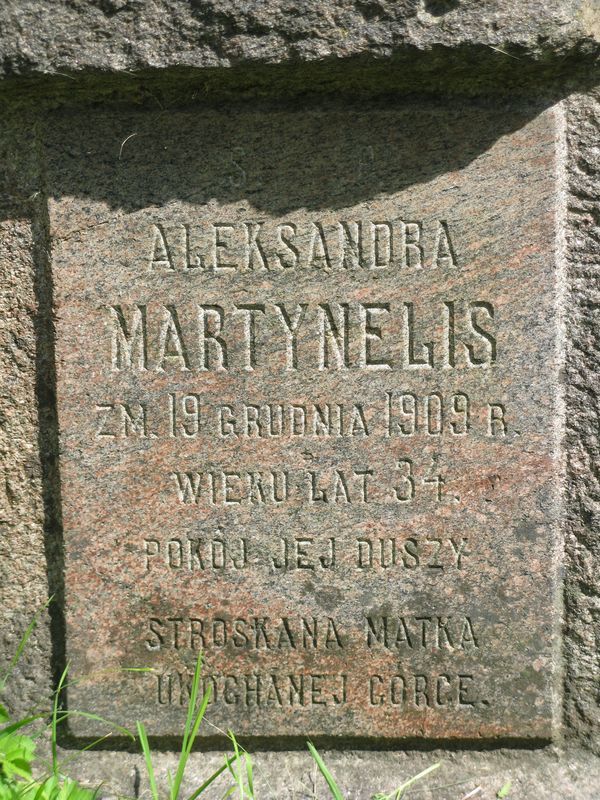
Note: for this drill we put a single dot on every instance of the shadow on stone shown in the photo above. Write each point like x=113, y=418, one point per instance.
x=275, y=158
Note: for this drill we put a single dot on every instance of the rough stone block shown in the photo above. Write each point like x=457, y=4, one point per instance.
x=54, y=36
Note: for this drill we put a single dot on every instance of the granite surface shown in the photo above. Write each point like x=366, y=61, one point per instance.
x=86, y=55
x=75, y=36
x=307, y=368
x=582, y=595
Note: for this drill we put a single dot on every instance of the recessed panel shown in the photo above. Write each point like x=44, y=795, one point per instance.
x=307, y=397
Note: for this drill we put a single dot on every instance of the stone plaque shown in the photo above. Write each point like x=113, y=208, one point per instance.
x=307, y=386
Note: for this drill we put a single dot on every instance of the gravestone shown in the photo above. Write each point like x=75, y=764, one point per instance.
x=299, y=366
x=309, y=410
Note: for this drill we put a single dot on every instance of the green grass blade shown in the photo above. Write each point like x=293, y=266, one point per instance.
x=54, y=722
x=199, y=717
x=138, y=669
x=76, y=754
x=42, y=789
x=503, y=792
x=238, y=767
x=401, y=789
x=21, y=723
x=243, y=764
x=88, y=715
x=99, y=674
x=333, y=787
x=148, y=759
x=192, y=723
x=22, y=644
x=249, y=775
x=189, y=723
x=91, y=746
x=210, y=780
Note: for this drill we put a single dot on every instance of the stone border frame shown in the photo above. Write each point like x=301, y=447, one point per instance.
x=31, y=514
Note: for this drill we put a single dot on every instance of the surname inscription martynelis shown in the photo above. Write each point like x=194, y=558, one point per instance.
x=308, y=407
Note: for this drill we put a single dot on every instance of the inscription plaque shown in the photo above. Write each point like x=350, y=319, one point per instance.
x=308, y=405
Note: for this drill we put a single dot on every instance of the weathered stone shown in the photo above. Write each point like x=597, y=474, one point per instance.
x=582, y=593
x=307, y=372
x=166, y=54
x=23, y=551
x=119, y=35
